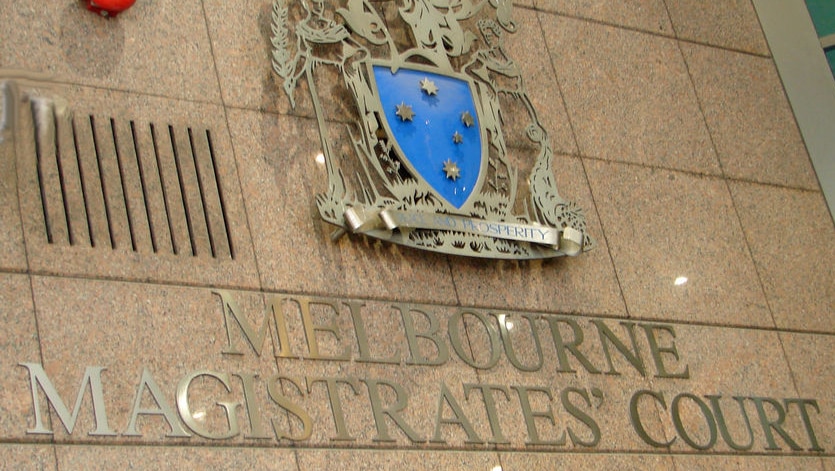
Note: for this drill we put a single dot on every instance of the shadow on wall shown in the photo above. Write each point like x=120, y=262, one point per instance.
x=92, y=45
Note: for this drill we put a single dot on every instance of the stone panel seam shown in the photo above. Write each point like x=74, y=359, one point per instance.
x=298, y=460
x=648, y=32
x=606, y=239
x=583, y=163
x=727, y=185
x=247, y=237
x=794, y=116
x=452, y=278
x=660, y=418
x=695, y=173
x=649, y=166
x=69, y=83
x=792, y=374
x=601, y=22
x=754, y=262
x=212, y=50
x=430, y=449
x=325, y=295
x=49, y=422
x=15, y=116
x=29, y=276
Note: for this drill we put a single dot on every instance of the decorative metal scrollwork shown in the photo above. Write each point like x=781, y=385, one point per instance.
x=431, y=163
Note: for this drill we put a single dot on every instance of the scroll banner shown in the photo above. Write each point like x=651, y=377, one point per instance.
x=365, y=220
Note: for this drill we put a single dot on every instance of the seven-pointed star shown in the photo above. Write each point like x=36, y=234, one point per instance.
x=429, y=87
x=451, y=169
x=405, y=112
x=457, y=138
x=467, y=119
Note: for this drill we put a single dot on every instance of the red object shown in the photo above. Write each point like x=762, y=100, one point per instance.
x=109, y=7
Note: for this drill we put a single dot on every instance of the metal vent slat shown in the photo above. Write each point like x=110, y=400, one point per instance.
x=180, y=237
x=191, y=192
x=47, y=168
x=127, y=185
x=94, y=197
x=74, y=205
x=211, y=194
x=114, y=195
x=132, y=184
x=151, y=189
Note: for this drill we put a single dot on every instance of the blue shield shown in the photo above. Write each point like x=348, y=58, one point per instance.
x=435, y=127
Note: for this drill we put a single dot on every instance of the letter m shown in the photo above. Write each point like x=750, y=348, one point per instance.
x=92, y=378
x=272, y=321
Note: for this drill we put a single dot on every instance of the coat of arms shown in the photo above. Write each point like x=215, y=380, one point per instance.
x=434, y=145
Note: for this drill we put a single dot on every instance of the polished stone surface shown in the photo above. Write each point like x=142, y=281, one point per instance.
x=628, y=95
x=124, y=329
x=12, y=251
x=729, y=363
x=240, y=41
x=116, y=242
x=600, y=390
x=19, y=344
x=746, y=463
x=811, y=359
x=793, y=248
x=27, y=457
x=369, y=460
x=677, y=246
x=749, y=118
x=647, y=15
x=156, y=48
x=573, y=461
x=279, y=152
x=134, y=457
x=572, y=286
x=712, y=273
x=731, y=24
x=529, y=48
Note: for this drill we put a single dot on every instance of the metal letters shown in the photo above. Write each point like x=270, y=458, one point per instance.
x=280, y=407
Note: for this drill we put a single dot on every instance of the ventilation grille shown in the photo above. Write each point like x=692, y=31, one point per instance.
x=129, y=186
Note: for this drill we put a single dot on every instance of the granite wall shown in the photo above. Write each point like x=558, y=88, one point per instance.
x=170, y=296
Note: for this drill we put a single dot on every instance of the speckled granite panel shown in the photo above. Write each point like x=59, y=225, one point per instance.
x=27, y=457
x=552, y=380
x=812, y=360
x=146, y=204
x=792, y=240
x=749, y=117
x=586, y=283
x=647, y=15
x=370, y=460
x=165, y=310
x=628, y=95
x=280, y=179
x=12, y=253
x=578, y=461
x=729, y=24
x=18, y=344
x=128, y=457
x=748, y=463
x=677, y=246
x=159, y=48
x=241, y=43
x=730, y=370
x=143, y=341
